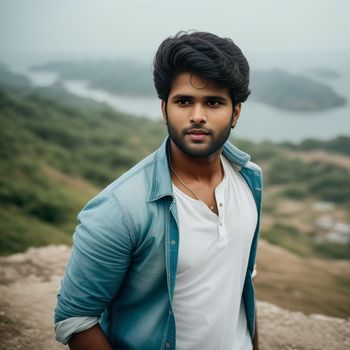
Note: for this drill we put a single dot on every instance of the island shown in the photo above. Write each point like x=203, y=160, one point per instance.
x=276, y=88
x=293, y=92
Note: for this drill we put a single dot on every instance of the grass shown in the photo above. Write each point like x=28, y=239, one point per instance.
x=310, y=285
x=57, y=151
x=19, y=232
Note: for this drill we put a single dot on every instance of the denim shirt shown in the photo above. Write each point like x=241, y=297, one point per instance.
x=124, y=256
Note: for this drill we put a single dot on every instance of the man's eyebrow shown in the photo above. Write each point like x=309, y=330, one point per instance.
x=217, y=98
x=210, y=97
x=182, y=96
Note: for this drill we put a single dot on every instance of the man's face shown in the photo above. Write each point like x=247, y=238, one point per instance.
x=199, y=115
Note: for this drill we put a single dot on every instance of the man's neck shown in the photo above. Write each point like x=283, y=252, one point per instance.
x=198, y=169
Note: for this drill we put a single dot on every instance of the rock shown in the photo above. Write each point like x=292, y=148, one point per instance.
x=29, y=284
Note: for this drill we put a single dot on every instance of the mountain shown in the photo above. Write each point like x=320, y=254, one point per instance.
x=276, y=88
x=57, y=151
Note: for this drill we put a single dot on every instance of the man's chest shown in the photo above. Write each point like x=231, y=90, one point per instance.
x=224, y=238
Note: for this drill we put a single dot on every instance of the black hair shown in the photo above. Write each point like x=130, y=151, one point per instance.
x=205, y=54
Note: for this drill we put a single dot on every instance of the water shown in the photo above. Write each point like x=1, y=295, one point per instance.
x=258, y=122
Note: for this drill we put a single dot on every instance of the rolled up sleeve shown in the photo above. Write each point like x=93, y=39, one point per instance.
x=101, y=253
x=66, y=328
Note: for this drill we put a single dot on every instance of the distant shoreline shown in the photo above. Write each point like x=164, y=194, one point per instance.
x=276, y=88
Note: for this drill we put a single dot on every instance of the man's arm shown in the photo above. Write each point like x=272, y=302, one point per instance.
x=91, y=339
x=100, y=258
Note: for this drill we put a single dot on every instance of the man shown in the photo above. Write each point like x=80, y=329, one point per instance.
x=163, y=257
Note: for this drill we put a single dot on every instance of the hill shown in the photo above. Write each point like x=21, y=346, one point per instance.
x=29, y=284
x=119, y=77
x=293, y=92
x=276, y=88
x=57, y=151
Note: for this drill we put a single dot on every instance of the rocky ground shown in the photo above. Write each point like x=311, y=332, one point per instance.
x=29, y=283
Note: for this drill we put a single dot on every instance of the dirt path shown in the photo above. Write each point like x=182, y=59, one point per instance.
x=29, y=283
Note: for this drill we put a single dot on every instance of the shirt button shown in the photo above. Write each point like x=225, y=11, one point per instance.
x=220, y=204
x=168, y=344
x=173, y=242
x=220, y=224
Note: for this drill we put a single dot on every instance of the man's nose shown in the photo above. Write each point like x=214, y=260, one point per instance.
x=198, y=114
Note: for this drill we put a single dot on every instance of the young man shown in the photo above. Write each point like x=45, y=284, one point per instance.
x=163, y=258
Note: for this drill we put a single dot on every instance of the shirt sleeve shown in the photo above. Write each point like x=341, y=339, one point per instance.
x=65, y=329
x=101, y=253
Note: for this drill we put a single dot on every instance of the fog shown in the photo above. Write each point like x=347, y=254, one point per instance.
x=47, y=29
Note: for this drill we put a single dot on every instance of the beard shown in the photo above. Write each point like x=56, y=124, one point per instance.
x=198, y=148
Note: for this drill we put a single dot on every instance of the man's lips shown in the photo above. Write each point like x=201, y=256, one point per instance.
x=197, y=134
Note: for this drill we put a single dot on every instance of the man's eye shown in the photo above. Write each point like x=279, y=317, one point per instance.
x=183, y=102
x=213, y=103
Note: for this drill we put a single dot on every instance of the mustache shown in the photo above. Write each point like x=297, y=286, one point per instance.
x=196, y=127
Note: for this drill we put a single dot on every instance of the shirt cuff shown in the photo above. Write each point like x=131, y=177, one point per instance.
x=65, y=329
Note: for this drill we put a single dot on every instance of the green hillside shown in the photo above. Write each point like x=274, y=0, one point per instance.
x=58, y=150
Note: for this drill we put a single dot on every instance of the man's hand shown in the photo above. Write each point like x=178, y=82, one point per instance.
x=91, y=339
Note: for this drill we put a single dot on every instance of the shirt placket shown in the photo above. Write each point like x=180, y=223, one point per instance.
x=220, y=200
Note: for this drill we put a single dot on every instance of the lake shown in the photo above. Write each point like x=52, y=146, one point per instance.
x=258, y=122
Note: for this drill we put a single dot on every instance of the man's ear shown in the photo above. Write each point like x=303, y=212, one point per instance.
x=164, y=112
x=236, y=113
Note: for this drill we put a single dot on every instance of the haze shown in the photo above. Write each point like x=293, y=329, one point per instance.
x=120, y=28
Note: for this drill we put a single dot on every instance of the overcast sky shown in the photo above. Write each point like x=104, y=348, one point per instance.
x=124, y=28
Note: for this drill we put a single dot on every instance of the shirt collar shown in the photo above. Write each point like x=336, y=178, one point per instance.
x=161, y=185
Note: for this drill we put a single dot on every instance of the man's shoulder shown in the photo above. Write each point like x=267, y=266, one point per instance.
x=253, y=166
x=134, y=181
x=126, y=194
x=240, y=159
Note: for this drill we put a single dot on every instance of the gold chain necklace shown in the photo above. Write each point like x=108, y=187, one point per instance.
x=179, y=178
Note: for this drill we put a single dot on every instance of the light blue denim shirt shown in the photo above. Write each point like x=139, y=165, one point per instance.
x=122, y=268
